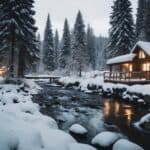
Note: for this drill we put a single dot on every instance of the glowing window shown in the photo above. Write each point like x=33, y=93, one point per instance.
x=130, y=68
x=142, y=54
x=146, y=67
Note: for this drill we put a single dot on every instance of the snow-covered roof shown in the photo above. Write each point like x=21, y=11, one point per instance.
x=121, y=59
x=144, y=45
x=129, y=57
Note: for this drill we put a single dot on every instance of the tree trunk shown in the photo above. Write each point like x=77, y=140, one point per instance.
x=21, y=63
x=12, y=54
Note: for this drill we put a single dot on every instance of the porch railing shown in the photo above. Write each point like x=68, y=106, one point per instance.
x=127, y=76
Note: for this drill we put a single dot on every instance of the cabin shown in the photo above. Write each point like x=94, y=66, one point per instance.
x=132, y=68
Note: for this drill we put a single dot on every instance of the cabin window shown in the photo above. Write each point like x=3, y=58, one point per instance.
x=142, y=55
x=146, y=67
x=130, y=68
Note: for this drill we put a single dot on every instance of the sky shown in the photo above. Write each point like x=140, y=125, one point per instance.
x=95, y=12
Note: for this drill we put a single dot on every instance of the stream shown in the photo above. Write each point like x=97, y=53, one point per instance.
x=94, y=112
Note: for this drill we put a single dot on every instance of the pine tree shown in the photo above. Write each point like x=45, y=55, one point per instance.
x=65, y=51
x=79, y=45
x=122, y=33
x=91, y=47
x=18, y=33
x=147, y=21
x=56, y=48
x=48, y=47
x=36, y=64
x=140, y=34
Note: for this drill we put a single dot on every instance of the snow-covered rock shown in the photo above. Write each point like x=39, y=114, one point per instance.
x=76, y=146
x=23, y=127
x=126, y=145
x=78, y=129
x=144, y=123
x=105, y=139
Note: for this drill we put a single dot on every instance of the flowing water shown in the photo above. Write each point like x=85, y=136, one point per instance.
x=94, y=112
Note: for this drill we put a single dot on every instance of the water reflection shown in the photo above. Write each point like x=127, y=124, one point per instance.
x=116, y=111
x=128, y=114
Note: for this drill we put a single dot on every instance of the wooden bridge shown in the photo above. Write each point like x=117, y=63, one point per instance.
x=52, y=79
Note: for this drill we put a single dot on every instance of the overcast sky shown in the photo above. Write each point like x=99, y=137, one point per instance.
x=95, y=12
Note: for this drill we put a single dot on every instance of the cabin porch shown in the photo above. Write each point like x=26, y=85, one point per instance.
x=129, y=78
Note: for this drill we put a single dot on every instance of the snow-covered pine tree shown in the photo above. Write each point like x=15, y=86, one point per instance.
x=48, y=47
x=122, y=32
x=56, y=48
x=147, y=21
x=18, y=33
x=140, y=34
x=101, y=52
x=91, y=47
x=28, y=51
x=80, y=53
x=65, y=52
x=35, y=66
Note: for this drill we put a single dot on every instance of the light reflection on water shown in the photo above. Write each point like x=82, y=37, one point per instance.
x=116, y=110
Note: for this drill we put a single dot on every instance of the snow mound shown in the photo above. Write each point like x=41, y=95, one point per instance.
x=76, y=146
x=105, y=139
x=23, y=127
x=78, y=129
x=146, y=118
x=126, y=145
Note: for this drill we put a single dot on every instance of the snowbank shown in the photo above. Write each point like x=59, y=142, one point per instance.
x=144, y=123
x=96, y=79
x=22, y=126
x=146, y=118
x=126, y=145
x=105, y=139
x=76, y=146
x=78, y=129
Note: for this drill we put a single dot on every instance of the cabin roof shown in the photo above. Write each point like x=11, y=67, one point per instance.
x=121, y=59
x=144, y=45
x=129, y=57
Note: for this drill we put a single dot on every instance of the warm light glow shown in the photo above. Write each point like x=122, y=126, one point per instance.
x=106, y=108
x=117, y=107
x=2, y=71
x=130, y=68
x=146, y=67
x=128, y=113
x=142, y=54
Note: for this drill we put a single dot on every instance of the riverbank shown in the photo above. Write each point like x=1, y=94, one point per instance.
x=96, y=113
x=21, y=118
x=94, y=82
x=24, y=127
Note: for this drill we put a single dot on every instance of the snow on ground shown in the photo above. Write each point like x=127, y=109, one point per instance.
x=96, y=78
x=76, y=146
x=22, y=126
x=78, y=129
x=105, y=139
x=126, y=145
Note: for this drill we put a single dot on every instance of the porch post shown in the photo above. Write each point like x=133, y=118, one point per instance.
x=110, y=71
x=120, y=68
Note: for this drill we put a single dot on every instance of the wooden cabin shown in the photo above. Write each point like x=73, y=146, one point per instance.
x=132, y=68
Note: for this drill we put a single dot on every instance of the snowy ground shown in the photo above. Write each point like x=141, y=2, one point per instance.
x=96, y=78
x=23, y=127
